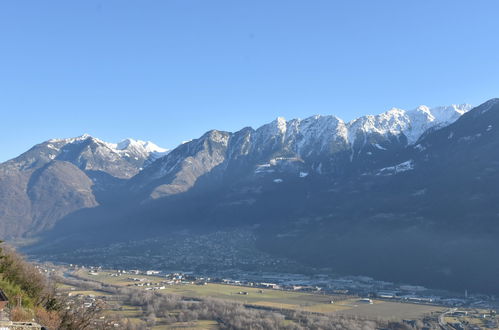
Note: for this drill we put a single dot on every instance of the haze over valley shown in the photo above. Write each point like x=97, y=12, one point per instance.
x=374, y=196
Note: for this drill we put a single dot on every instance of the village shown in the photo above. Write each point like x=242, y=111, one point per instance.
x=360, y=286
x=230, y=257
x=348, y=295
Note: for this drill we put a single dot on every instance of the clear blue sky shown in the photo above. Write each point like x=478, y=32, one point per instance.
x=169, y=70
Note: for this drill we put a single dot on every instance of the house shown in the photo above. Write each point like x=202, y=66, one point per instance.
x=459, y=313
x=269, y=285
x=387, y=294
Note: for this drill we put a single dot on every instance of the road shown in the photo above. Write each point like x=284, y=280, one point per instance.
x=441, y=320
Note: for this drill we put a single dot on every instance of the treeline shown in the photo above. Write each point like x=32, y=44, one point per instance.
x=229, y=315
x=22, y=282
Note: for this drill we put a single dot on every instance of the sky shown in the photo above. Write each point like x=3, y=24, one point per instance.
x=169, y=70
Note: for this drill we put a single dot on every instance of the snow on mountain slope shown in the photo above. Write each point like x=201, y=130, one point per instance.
x=318, y=134
x=315, y=135
x=121, y=160
x=126, y=147
x=412, y=123
x=146, y=146
x=323, y=143
x=140, y=150
x=323, y=131
x=60, y=176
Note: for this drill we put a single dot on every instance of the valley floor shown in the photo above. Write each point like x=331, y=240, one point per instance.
x=265, y=299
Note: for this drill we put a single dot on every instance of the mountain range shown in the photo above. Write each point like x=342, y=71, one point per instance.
x=59, y=176
x=403, y=195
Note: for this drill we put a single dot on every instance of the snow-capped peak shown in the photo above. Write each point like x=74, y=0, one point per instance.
x=128, y=147
x=122, y=145
x=151, y=147
x=281, y=124
x=84, y=136
x=451, y=113
x=77, y=139
x=411, y=123
x=148, y=146
x=304, y=133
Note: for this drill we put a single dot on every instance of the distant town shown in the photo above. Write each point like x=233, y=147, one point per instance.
x=362, y=286
x=363, y=289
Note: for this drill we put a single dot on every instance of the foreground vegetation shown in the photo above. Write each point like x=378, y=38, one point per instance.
x=33, y=297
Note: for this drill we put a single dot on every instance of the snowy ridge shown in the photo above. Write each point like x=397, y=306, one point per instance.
x=128, y=147
x=139, y=148
x=147, y=146
x=289, y=145
x=310, y=136
x=411, y=123
x=292, y=142
x=320, y=133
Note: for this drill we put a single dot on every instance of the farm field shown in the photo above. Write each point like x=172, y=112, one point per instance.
x=391, y=311
x=105, y=277
x=249, y=295
x=198, y=325
x=279, y=299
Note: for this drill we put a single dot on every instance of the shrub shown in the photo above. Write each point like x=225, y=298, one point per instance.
x=50, y=319
x=19, y=314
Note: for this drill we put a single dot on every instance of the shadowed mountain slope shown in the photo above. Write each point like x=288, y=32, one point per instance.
x=403, y=196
